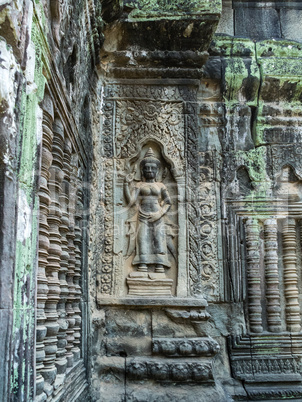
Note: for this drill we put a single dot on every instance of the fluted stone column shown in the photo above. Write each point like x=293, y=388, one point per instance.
x=61, y=360
x=272, y=275
x=54, y=257
x=71, y=267
x=253, y=275
x=77, y=276
x=42, y=283
x=293, y=314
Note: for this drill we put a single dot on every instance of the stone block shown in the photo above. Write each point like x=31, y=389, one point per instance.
x=257, y=23
x=5, y=333
x=291, y=21
x=108, y=382
x=128, y=332
x=226, y=23
x=163, y=326
x=175, y=25
x=142, y=392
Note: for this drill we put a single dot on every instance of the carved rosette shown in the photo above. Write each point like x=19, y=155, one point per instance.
x=208, y=229
x=166, y=371
x=105, y=277
x=107, y=259
x=185, y=347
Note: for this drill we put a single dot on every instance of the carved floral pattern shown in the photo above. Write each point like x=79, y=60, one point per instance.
x=245, y=368
x=185, y=347
x=176, y=371
x=208, y=227
x=136, y=120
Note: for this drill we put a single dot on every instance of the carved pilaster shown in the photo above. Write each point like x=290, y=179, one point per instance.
x=54, y=254
x=253, y=275
x=61, y=361
x=77, y=276
x=71, y=269
x=272, y=276
x=293, y=317
x=42, y=283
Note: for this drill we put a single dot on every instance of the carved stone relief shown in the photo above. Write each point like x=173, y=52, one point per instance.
x=185, y=347
x=163, y=118
x=209, y=228
x=152, y=228
x=170, y=370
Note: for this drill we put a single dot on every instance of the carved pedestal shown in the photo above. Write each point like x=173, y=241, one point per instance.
x=149, y=287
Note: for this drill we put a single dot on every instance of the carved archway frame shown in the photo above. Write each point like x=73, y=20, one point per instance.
x=174, y=129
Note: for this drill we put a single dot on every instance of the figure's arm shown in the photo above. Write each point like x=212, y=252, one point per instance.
x=130, y=197
x=166, y=200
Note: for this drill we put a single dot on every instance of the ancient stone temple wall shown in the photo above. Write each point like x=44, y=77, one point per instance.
x=46, y=79
x=229, y=324
x=151, y=184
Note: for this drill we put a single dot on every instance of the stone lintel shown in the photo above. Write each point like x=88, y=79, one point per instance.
x=154, y=302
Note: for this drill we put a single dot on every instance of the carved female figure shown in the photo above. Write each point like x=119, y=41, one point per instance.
x=152, y=202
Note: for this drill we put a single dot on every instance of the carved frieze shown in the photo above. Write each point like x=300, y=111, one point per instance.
x=188, y=315
x=274, y=368
x=167, y=370
x=136, y=120
x=270, y=366
x=106, y=277
x=283, y=155
x=185, y=347
x=209, y=228
x=281, y=124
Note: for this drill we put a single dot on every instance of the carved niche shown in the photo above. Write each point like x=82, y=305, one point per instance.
x=150, y=216
x=155, y=120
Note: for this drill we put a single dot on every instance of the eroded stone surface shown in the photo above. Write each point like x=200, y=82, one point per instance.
x=212, y=310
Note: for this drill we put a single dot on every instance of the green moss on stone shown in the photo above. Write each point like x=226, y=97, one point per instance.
x=149, y=9
x=27, y=237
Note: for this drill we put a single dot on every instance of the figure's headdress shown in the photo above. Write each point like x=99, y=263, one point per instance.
x=149, y=158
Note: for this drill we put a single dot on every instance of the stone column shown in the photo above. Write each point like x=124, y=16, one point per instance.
x=293, y=315
x=42, y=283
x=71, y=268
x=272, y=276
x=54, y=257
x=253, y=275
x=77, y=276
x=61, y=361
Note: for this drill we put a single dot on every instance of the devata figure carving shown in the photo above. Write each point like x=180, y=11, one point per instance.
x=148, y=234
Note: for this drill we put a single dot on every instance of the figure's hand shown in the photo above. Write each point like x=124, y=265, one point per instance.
x=155, y=216
x=129, y=178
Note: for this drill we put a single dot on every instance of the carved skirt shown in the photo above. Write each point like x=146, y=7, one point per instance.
x=151, y=243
